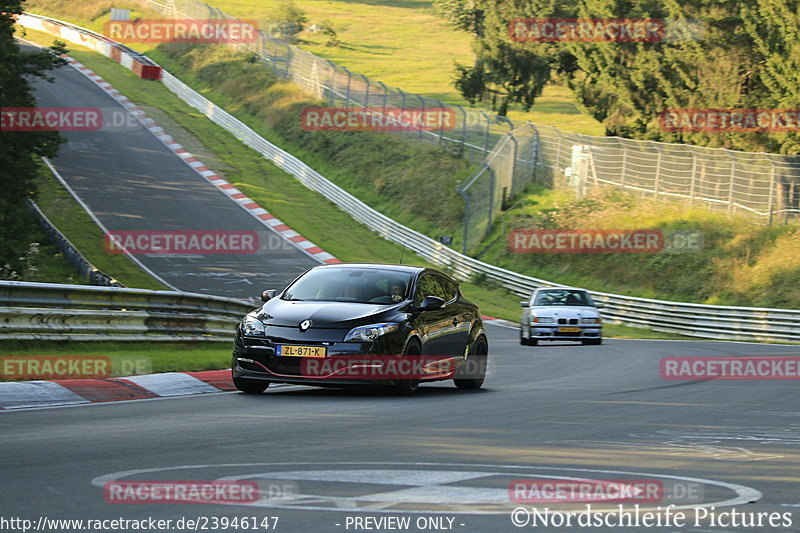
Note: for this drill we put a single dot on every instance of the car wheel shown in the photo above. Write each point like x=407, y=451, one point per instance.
x=407, y=387
x=526, y=342
x=480, y=353
x=249, y=386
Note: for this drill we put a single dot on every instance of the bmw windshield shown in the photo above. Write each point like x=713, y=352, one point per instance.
x=353, y=285
x=563, y=297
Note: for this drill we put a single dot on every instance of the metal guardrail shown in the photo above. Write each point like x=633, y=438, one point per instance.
x=82, y=313
x=696, y=320
x=82, y=265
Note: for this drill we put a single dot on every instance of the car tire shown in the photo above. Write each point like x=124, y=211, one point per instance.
x=480, y=352
x=592, y=341
x=527, y=342
x=408, y=387
x=248, y=386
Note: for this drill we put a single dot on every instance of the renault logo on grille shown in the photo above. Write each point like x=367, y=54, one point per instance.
x=304, y=325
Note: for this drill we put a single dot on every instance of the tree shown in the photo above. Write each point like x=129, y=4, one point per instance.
x=502, y=74
x=287, y=20
x=20, y=151
x=464, y=15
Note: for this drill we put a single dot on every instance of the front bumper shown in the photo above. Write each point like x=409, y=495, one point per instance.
x=255, y=358
x=551, y=332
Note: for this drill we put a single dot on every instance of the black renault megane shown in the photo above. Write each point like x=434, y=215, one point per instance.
x=356, y=324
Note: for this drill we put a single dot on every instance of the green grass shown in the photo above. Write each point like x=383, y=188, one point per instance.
x=44, y=263
x=157, y=357
x=741, y=263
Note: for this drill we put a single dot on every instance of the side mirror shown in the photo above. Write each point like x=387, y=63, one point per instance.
x=525, y=303
x=599, y=305
x=268, y=295
x=430, y=303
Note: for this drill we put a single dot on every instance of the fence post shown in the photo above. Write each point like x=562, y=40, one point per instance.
x=464, y=124
x=486, y=135
x=694, y=178
x=403, y=94
x=465, y=230
x=491, y=198
x=422, y=106
x=622, y=165
x=347, y=91
x=332, y=84
x=730, y=185
x=658, y=172
x=441, y=129
x=385, y=96
x=771, y=201
x=366, y=95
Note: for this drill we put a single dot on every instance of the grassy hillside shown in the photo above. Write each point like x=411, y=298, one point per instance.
x=399, y=42
x=741, y=263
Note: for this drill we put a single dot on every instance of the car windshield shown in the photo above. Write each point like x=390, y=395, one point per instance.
x=356, y=285
x=563, y=297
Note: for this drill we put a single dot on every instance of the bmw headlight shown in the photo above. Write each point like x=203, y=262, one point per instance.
x=370, y=333
x=541, y=319
x=590, y=320
x=252, y=327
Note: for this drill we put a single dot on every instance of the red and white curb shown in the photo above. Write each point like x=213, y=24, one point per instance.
x=261, y=214
x=27, y=394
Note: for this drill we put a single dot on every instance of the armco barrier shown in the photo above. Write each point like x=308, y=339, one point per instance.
x=696, y=320
x=81, y=313
x=86, y=270
x=138, y=63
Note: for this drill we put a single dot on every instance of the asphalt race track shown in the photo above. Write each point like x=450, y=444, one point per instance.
x=329, y=457
x=132, y=182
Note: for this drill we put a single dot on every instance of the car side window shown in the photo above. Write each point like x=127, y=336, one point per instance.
x=449, y=287
x=428, y=286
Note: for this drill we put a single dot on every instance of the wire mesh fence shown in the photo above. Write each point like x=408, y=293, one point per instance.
x=511, y=156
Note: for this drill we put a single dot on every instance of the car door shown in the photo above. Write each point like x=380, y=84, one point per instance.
x=461, y=317
x=434, y=325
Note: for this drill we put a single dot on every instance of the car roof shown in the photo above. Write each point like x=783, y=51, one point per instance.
x=412, y=269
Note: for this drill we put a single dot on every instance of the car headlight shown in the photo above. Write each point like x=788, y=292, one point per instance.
x=252, y=327
x=590, y=320
x=543, y=319
x=370, y=333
